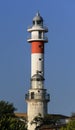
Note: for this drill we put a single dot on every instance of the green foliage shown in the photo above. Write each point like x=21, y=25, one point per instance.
x=51, y=119
x=69, y=126
x=6, y=109
x=8, y=120
x=37, y=120
x=47, y=120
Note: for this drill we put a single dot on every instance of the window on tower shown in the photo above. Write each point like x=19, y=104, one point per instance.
x=32, y=95
x=39, y=22
x=40, y=34
x=33, y=22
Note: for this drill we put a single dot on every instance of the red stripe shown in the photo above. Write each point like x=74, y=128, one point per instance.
x=37, y=47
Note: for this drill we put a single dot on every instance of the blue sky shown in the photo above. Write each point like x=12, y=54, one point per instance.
x=59, y=16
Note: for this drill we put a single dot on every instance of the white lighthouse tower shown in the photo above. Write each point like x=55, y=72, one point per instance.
x=37, y=97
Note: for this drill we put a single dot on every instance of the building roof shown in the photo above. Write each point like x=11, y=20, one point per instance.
x=50, y=116
x=57, y=116
x=21, y=114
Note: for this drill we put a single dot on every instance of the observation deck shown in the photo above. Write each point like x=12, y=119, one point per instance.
x=32, y=96
x=30, y=39
x=37, y=28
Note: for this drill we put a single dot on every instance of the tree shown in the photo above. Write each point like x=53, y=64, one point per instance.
x=8, y=120
x=6, y=109
x=38, y=120
x=46, y=120
x=69, y=126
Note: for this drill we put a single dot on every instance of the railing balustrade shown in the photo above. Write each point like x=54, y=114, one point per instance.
x=37, y=96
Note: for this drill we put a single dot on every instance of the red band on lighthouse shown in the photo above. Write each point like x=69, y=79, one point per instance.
x=37, y=47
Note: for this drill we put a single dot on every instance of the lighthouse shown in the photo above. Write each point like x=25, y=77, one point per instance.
x=37, y=97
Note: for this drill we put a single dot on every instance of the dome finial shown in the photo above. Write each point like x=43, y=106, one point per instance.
x=38, y=14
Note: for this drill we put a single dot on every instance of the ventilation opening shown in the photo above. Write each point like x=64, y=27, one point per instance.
x=40, y=59
x=40, y=46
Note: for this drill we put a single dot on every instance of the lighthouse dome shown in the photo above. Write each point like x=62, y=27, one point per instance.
x=37, y=77
x=38, y=17
x=37, y=20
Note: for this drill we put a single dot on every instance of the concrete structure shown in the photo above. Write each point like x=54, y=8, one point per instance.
x=37, y=97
